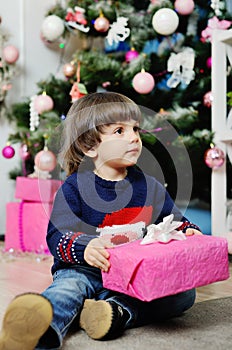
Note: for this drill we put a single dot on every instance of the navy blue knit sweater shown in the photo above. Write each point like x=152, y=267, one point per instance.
x=85, y=202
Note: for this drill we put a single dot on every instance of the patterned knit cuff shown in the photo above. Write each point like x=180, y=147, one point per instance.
x=71, y=247
x=188, y=224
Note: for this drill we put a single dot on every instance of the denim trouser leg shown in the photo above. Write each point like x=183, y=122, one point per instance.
x=72, y=286
x=156, y=310
x=67, y=294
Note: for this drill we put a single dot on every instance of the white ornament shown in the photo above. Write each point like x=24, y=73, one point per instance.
x=181, y=65
x=164, y=232
x=217, y=6
x=52, y=28
x=118, y=31
x=34, y=115
x=165, y=21
x=78, y=26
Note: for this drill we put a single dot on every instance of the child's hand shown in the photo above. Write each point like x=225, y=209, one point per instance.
x=96, y=255
x=192, y=231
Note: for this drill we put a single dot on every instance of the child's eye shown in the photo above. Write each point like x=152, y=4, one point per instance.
x=119, y=131
x=136, y=128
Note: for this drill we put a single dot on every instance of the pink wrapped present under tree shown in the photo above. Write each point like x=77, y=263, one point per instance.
x=156, y=270
x=26, y=226
x=36, y=189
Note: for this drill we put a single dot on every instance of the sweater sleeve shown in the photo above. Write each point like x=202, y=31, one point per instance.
x=65, y=238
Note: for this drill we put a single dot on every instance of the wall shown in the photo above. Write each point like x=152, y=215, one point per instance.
x=23, y=20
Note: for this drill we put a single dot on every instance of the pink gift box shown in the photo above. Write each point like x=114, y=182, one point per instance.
x=36, y=190
x=156, y=270
x=26, y=226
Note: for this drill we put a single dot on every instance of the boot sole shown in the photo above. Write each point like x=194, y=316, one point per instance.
x=96, y=318
x=25, y=321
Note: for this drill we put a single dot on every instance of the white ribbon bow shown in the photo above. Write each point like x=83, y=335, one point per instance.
x=181, y=64
x=164, y=232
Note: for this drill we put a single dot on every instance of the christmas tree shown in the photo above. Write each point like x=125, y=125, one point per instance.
x=9, y=55
x=156, y=52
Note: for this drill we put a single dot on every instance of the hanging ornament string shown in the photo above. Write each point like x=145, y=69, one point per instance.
x=78, y=72
x=78, y=90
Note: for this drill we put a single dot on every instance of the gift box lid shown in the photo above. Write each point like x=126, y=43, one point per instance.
x=35, y=189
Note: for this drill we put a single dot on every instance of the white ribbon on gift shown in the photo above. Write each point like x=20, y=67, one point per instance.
x=164, y=232
x=181, y=64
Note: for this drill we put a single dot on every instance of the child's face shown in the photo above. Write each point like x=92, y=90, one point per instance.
x=120, y=145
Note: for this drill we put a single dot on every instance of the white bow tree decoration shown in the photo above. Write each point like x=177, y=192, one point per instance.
x=217, y=6
x=181, y=64
x=118, y=31
x=164, y=232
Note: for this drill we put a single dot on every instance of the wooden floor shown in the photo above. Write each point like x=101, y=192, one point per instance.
x=31, y=273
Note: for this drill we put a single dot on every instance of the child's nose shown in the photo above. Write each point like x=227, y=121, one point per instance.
x=134, y=136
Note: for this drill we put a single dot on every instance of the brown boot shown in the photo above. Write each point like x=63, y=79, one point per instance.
x=103, y=319
x=26, y=319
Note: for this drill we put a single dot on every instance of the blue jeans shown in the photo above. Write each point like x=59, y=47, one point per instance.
x=72, y=286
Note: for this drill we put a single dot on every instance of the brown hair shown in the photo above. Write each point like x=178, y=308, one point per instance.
x=85, y=121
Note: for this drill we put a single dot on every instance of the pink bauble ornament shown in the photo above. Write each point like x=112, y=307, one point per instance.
x=6, y=87
x=69, y=70
x=208, y=99
x=43, y=103
x=209, y=62
x=10, y=54
x=143, y=82
x=214, y=157
x=52, y=28
x=8, y=152
x=165, y=21
x=23, y=152
x=101, y=24
x=45, y=160
x=184, y=7
x=131, y=55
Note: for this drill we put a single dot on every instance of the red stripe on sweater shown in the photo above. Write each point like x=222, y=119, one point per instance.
x=128, y=216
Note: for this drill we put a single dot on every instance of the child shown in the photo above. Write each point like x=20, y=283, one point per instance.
x=103, y=188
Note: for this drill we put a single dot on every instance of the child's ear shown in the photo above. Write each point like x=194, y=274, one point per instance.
x=92, y=152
